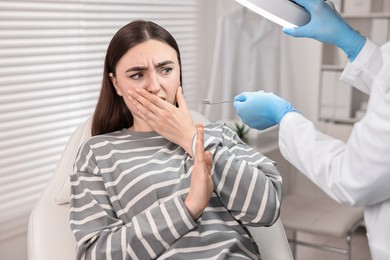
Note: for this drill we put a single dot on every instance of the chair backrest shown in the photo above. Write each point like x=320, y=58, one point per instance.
x=49, y=234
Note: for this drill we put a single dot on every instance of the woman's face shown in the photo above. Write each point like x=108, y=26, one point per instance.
x=151, y=65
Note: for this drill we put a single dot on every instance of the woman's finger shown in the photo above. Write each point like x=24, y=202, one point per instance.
x=199, y=144
x=180, y=98
x=150, y=101
x=200, y=132
x=208, y=159
x=199, y=158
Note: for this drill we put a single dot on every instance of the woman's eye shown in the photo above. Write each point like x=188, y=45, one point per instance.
x=166, y=70
x=136, y=76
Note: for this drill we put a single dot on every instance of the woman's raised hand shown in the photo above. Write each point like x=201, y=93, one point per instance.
x=202, y=185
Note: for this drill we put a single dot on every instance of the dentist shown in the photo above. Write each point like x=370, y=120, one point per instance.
x=356, y=172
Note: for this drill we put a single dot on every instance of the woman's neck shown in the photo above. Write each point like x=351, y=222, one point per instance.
x=140, y=125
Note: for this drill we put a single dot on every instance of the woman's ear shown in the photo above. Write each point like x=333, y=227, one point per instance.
x=115, y=83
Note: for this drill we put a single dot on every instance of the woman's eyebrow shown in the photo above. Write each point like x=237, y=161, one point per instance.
x=136, y=68
x=158, y=65
x=163, y=63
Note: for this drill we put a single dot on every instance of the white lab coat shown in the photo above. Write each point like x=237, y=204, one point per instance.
x=250, y=51
x=358, y=172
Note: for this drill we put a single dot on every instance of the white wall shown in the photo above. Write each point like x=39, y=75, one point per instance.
x=212, y=12
x=14, y=248
x=306, y=58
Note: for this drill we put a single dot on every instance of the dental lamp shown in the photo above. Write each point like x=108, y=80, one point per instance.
x=286, y=13
x=283, y=12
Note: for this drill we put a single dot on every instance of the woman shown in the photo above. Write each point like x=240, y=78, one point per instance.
x=139, y=190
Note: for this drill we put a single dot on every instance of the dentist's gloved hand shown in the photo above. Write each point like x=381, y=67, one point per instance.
x=261, y=110
x=327, y=26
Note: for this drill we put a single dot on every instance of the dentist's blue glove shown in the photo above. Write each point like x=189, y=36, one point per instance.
x=261, y=110
x=327, y=26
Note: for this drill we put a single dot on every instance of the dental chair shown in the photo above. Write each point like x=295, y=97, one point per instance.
x=49, y=234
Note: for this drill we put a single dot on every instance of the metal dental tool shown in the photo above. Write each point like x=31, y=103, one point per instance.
x=208, y=102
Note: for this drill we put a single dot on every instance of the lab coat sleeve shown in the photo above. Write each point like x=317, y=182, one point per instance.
x=362, y=71
x=356, y=173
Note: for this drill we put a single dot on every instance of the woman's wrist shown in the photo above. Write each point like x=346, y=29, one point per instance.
x=188, y=142
x=195, y=213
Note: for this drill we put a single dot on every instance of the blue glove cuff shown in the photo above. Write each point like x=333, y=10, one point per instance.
x=356, y=43
x=288, y=109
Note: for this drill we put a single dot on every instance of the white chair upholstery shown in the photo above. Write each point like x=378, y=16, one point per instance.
x=49, y=234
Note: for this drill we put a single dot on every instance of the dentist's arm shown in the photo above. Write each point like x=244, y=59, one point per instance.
x=327, y=26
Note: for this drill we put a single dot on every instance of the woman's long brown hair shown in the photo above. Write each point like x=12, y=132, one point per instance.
x=111, y=113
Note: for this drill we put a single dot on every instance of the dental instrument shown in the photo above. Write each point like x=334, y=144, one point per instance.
x=208, y=102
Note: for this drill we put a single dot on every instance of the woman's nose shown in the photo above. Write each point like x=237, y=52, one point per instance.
x=154, y=85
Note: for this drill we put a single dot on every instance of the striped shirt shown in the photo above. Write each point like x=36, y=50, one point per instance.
x=128, y=192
